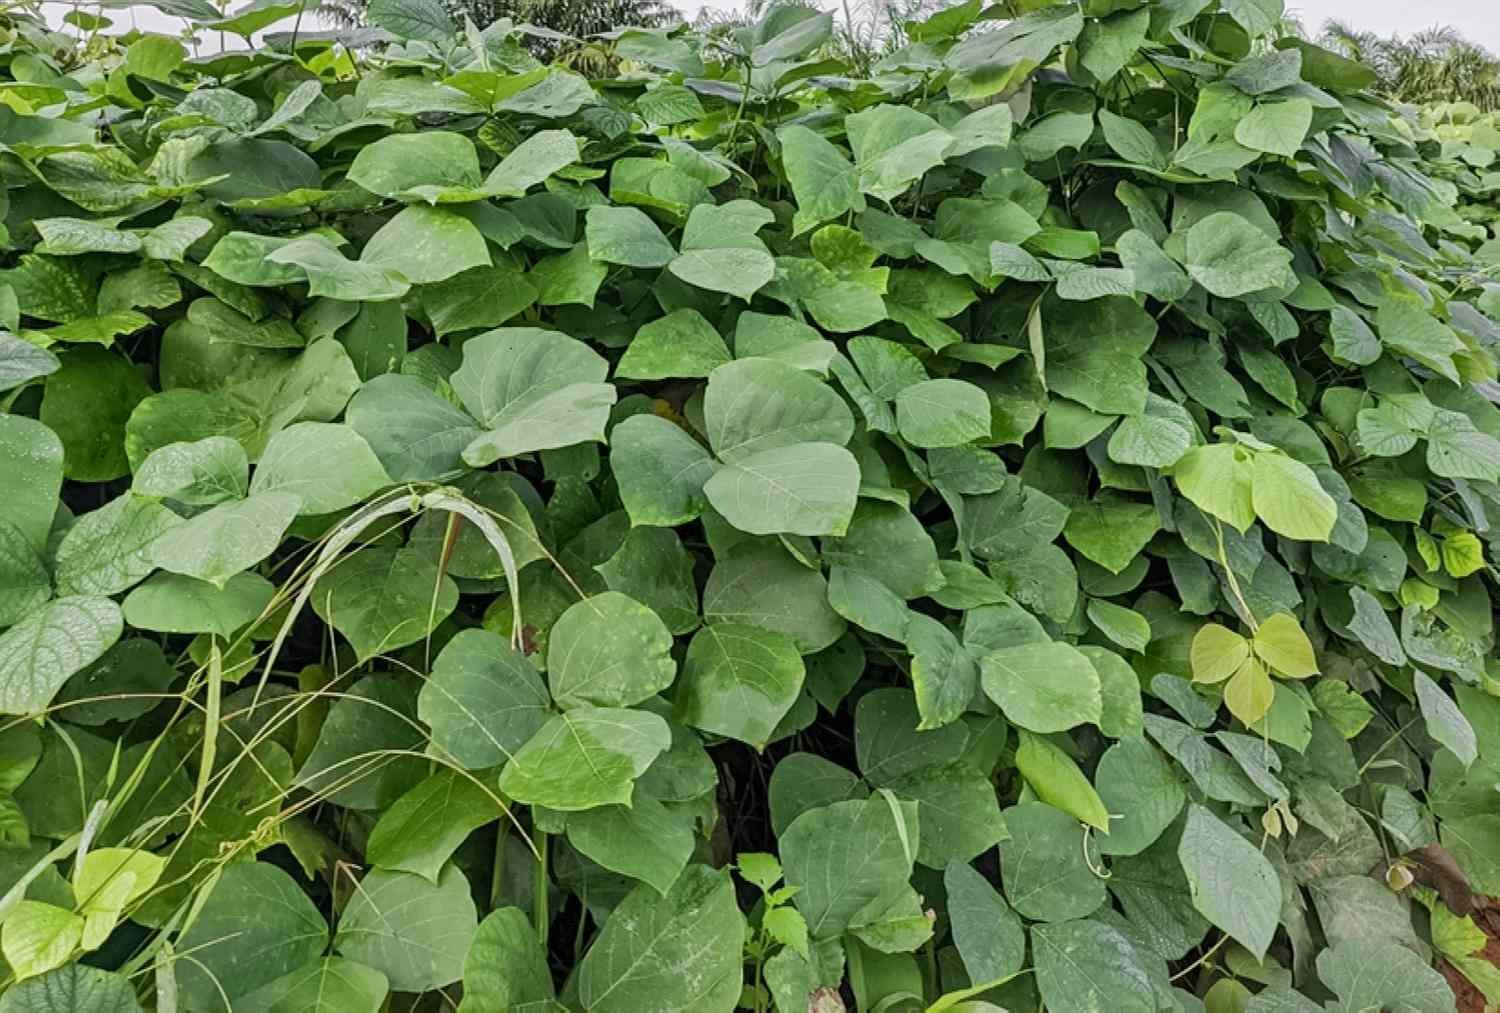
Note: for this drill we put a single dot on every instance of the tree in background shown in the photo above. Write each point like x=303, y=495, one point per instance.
x=864, y=30
x=1437, y=65
x=578, y=18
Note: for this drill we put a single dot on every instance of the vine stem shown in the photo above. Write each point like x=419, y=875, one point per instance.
x=540, y=916
x=497, y=870
x=1201, y=960
x=1234, y=583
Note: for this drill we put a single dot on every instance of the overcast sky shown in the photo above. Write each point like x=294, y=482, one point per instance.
x=1478, y=19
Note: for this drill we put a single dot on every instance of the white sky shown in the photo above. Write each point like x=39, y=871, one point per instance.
x=1477, y=19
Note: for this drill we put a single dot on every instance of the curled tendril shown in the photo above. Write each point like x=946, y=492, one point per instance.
x=1099, y=871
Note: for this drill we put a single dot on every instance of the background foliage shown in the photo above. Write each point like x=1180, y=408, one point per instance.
x=1009, y=529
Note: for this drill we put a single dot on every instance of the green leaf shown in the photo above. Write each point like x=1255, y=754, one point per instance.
x=567, y=278
x=224, y=323
x=226, y=539
x=1345, y=709
x=626, y=236
x=351, y=764
x=654, y=568
x=1382, y=975
x=801, y=488
x=1125, y=627
x=823, y=180
x=422, y=828
x=256, y=926
x=413, y=931
x=382, y=598
x=1353, y=341
x=531, y=390
x=86, y=404
x=1219, y=480
x=1257, y=17
x=849, y=860
x=109, y=550
x=1012, y=521
x=198, y=472
x=1131, y=140
x=1233, y=885
x=680, y=950
x=173, y=603
x=1045, y=687
x=326, y=465
x=39, y=937
x=1111, y=530
x=74, y=988
x=171, y=240
x=1107, y=45
x=886, y=542
x=1044, y=865
x=660, y=470
x=106, y=880
x=483, y=701
x=25, y=584
x=1142, y=792
x=890, y=743
x=1287, y=496
x=21, y=362
x=559, y=95
x=121, y=686
x=329, y=273
x=424, y=245
x=754, y=405
x=1056, y=779
x=643, y=840
x=1472, y=840
x=957, y=810
x=1277, y=128
x=414, y=433
x=32, y=456
x=327, y=985
x=735, y=270
x=942, y=413
x=586, y=757
x=244, y=258
x=1456, y=449
x=427, y=20
x=764, y=586
x=1094, y=352
x=866, y=602
x=739, y=681
x=1086, y=965
x=506, y=967
x=1445, y=722
x=680, y=344
x=608, y=650
x=39, y=653
x=893, y=147
x=418, y=166
x=479, y=297
x=987, y=933
x=1231, y=257
x=67, y=236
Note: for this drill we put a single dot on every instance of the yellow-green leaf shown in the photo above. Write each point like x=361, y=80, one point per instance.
x=1217, y=653
x=1249, y=693
x=1281, y=644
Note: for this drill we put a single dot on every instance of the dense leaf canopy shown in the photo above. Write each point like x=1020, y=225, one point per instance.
x=1010, y=530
